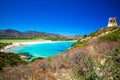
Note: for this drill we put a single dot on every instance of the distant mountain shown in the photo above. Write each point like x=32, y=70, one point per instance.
x=14, y=33
x=39, y=33
x=10, y=33
x=30, y=32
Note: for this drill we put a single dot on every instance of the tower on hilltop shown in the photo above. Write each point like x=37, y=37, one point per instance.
x=112, y=22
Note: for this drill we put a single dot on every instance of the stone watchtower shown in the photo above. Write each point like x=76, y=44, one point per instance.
x=112, y=22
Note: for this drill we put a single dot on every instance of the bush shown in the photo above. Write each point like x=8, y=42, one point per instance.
x=103, y=30
x=79, y=44
x=39, y=58
x=2, y=45
x=10, y=59
x=115, y=36
x=114, y=61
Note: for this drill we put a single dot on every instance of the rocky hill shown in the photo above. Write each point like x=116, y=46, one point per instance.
x=94, y=57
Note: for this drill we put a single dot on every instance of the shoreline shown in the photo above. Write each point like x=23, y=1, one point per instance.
x=29, y=43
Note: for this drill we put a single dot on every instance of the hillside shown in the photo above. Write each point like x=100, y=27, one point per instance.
x=107, y=33
x=14, y=34
x=94, y=57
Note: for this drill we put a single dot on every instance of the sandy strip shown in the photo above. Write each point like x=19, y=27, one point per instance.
x=22, y=44
x=29, y=43
x=10, y=46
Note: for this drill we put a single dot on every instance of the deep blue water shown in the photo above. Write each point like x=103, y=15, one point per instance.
x=42, y=50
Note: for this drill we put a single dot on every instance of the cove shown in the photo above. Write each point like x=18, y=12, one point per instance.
x=42, y=49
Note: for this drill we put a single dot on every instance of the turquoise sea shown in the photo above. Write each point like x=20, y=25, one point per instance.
x=42, y=49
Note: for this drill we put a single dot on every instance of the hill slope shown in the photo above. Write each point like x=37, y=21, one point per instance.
x=108, y=33
x=91, y=58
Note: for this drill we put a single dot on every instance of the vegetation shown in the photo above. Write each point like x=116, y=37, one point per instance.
x=79, y=43
x=112, y=66
x=103, y=30
x=104, y=64
x=115, y=36
x=2, y=45
x=97, y=71
x=10, y=59
x=39, y=58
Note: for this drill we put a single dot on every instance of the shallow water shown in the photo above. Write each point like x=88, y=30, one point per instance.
x=42, y=50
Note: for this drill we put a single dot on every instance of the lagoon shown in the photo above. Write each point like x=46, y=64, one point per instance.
x=42, y=49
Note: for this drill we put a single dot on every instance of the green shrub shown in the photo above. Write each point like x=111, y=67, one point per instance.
x=103, y=30
x=2, y=45
x=10, y=59
x=113, y=63
x=115, y=36
x=79, y=44
x=39, y=58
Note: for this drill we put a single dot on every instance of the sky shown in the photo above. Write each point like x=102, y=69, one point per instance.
x=66, y=17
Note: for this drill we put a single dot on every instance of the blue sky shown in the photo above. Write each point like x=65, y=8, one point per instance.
x=67, y=17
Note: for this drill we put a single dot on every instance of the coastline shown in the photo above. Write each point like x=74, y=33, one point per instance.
x=29, y=43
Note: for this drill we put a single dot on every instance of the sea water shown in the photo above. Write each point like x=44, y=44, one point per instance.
x=42, y=49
